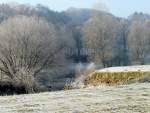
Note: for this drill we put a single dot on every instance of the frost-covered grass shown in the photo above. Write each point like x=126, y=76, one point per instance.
x=134, y=98
x=143, y=68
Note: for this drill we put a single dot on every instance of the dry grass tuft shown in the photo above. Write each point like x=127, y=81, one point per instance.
x=115, y=78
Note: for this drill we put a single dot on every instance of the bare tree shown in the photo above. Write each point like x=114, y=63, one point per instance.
x=27, y=45
x=138, y=41
x=121, y=48
x=100, y=34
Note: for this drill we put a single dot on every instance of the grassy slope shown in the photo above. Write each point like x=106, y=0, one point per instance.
x=134, y=98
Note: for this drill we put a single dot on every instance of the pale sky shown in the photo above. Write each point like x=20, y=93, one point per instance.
x=121, y=8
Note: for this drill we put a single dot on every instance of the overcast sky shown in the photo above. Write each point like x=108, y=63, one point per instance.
x=121, y=8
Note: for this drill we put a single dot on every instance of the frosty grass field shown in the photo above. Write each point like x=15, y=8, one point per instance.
x=134, y=98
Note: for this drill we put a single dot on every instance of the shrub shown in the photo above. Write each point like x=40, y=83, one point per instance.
x=115, y=78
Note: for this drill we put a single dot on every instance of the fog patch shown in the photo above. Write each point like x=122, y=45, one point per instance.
x=100, y=6
x=82, y=72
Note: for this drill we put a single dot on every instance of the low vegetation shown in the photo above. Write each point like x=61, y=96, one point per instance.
x=116, y=78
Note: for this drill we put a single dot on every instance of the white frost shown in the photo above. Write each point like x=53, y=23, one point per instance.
x=142, y=68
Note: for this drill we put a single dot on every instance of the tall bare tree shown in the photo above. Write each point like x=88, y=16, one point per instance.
x=100, y=34
x=138, y=41
x=121, y=51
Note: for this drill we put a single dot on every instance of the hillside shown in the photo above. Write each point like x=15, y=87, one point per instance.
x=133, y=98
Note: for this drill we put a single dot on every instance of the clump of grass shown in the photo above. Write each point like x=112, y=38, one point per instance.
x=115, y=78
x=68, y=86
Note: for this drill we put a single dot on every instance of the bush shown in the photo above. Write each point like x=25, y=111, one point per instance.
x=115, y=78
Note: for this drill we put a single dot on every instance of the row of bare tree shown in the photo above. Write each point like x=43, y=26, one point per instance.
x=117, y=38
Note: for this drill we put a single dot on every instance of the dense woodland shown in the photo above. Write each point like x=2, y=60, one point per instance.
x=40, y=47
